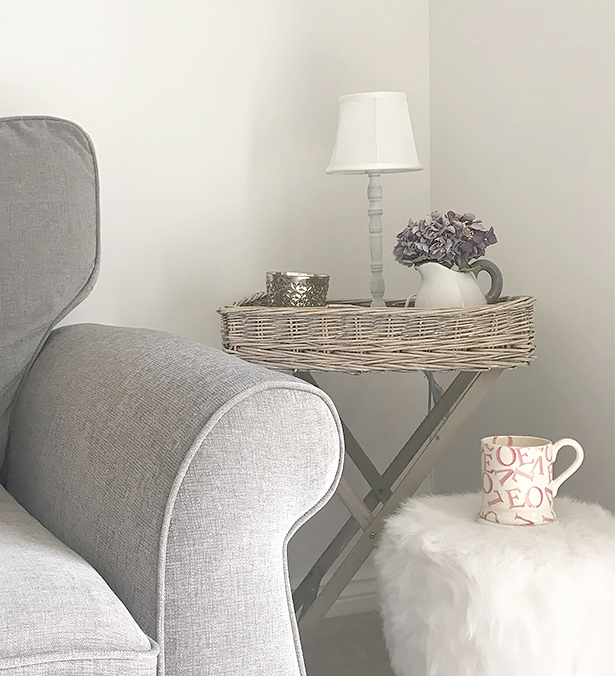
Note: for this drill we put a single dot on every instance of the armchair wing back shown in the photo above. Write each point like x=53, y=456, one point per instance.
x=177, y=472
x=49, y=224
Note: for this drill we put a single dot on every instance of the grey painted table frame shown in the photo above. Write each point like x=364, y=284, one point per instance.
x=407, y=471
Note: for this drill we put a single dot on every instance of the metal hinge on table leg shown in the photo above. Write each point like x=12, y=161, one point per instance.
x=310, y=591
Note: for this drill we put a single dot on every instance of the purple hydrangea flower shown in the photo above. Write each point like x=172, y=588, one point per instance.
x=451, y=239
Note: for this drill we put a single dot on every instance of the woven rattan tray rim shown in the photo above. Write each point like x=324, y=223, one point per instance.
x=361, y=307
x=393, y=338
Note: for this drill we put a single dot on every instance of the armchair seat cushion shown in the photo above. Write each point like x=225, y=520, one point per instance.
x=57, y=614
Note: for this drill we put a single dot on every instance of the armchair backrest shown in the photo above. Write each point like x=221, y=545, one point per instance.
x=49, y=239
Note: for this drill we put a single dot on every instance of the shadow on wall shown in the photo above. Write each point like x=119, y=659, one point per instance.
x=304, y=218
x=243, y=176
x=292, y=208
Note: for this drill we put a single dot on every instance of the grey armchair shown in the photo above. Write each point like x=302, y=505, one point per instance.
x=151, y=483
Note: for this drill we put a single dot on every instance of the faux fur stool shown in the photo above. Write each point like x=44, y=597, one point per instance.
x=463, y=598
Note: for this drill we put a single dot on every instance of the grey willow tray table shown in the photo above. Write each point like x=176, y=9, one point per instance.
x=351, y=337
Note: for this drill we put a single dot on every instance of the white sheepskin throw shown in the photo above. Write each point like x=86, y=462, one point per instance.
x=467, y=598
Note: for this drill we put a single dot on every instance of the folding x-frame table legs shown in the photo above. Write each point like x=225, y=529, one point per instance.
x=400, y=480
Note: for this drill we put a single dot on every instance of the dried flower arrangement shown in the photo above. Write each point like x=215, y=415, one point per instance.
x=451, y=239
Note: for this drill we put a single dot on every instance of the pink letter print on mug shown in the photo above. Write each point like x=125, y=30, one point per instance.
x=517, y=479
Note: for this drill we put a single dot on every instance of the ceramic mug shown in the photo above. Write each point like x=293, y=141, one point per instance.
x=517, y=479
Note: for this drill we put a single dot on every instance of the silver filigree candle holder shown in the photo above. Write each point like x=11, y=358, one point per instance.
x=297, y=289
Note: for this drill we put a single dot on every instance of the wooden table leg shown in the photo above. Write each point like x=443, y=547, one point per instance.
x=304, y=595
x=423, y=448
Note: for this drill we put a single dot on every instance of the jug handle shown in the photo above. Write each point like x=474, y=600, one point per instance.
x=497, y=281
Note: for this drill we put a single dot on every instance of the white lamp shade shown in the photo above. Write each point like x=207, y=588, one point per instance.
x=374, y=135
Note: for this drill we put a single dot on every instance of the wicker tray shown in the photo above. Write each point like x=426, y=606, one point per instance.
x=350, y=336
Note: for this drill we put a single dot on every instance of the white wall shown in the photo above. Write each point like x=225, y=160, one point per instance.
x=522, y=134
x=214, y=123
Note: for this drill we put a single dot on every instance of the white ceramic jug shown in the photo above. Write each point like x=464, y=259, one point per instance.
x=442, y=287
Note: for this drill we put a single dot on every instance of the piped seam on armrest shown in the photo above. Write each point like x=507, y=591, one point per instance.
x=183, y=470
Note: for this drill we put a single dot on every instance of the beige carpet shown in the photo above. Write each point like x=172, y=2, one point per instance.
x=350, y=645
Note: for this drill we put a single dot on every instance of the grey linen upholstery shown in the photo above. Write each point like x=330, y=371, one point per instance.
x=49, y=233
x=179, y=473
x=57, y=615
x=176, y=471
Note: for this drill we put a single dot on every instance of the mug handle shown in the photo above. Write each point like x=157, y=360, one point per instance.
x=497, y=281
x=566, y=474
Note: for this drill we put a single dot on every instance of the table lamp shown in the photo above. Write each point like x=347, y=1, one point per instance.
x=374, y=136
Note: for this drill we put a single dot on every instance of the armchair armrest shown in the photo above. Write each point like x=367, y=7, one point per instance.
x=179, y=473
